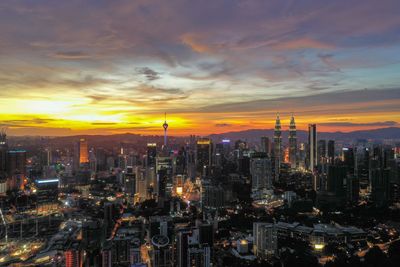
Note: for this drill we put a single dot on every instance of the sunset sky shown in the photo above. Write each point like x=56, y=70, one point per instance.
x=103, y=67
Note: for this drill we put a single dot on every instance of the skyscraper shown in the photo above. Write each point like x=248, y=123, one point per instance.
x=3, y=154
x=277, y=146
x=266, y=145
x=151, y=154
x=161, y=252
x=203, y=155
x=83, y=151
x=191, y=251
x=73, y=258
x=292, y=143
x=331, y=151
x=81, y=154
x=260, y=169
x=16, y=167
x=265, y=239
x=312, y=146
x=321, y=151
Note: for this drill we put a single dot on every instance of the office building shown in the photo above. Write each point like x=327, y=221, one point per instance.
x=322, y=152
x=161, y=252
x=380, y=186
x=3, y=154
x=266, y=145
x=292, y=143
x=16, y=168
x=81, y=154
x=151, y=154
x=203, y=156
x=190, y=251
x=16, y=162
x=261, y=171
x=265, y=240
x=73, y=258
x=312, y=146
x=160, y=225
x=212, y=196
x=277, y=146
x=331, y=151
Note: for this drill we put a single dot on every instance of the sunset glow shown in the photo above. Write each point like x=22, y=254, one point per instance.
x=217, y=67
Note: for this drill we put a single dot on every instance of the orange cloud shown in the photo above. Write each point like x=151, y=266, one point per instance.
x=302, y=43
x=193, y=42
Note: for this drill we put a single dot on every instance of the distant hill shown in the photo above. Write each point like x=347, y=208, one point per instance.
x=248, y=135
x=255, y=134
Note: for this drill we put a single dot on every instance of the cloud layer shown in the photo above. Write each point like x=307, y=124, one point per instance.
x=116, y=66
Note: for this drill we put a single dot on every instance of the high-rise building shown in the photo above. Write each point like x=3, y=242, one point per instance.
x=302, y=160
x=380, y=186
x=190, y=251
x=3, y=154
x=353, y=180
x=292, y=143
x=348, y=159
x=129, y=181
x=81, y=154
x=212, y=196
x=312, y=146
x=331, y=151
x=161, y=252
x=73, y=258
x=321, y=152
x=164, y=175
x=261, y=172
x=226, y=147
x=160, y=225
x=336, y=180
x=16, y=162
x=265, y=239
x=16, y=168
x=277, y=146
x=180, y=161
x=151, y=154
x=203, y=155
x=266, y=145
x=83, y=151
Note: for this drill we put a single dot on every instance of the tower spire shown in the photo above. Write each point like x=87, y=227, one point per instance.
x=165, y=126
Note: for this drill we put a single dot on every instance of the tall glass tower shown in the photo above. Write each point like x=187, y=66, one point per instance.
x=277, y=146
x=292, y=143
x=312, y=146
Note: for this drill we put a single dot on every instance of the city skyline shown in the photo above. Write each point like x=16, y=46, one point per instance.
x=219, y=66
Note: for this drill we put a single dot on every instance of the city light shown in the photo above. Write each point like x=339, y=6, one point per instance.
x=319, y=246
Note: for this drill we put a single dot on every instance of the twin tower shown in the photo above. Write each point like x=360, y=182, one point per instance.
x=292, y=142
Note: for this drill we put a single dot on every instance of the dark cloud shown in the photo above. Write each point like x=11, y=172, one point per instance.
x=145, y=89
x=324, y=103
x=150, y=74
x=351, y=124
x=223, y=124
x=71, y=55
x=24, y=122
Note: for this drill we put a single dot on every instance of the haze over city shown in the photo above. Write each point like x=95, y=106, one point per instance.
x=103, y=67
